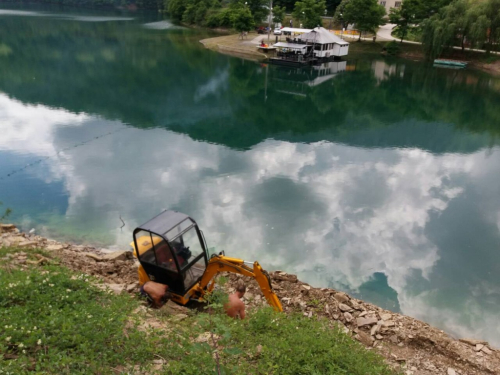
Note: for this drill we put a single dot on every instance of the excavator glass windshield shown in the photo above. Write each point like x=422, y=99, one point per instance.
x=187, y=246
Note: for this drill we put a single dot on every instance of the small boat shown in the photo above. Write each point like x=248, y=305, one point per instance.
x=453, y=63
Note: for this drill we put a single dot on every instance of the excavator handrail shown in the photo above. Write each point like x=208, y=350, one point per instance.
x=222, y=263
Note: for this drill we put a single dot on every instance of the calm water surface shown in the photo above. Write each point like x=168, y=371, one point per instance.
x=377, y=177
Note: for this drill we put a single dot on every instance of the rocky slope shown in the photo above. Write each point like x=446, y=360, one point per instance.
x=406, y=343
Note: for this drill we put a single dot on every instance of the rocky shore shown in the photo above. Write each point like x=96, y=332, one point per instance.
x=406, y=343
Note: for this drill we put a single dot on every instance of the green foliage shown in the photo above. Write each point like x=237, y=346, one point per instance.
x=5, y=214
x=242, y=19
x=175, y=8
x=211, y=13
x=460, y=21
x=489, y=14
x=403, y=17
x=420, y=10
x=220, y=18
x=309, y=12
x=278, y=14
x=392, y=48
x=367, y=15
x=258, y=8
x=290, y=4
x=275, y=343
x=54, y=321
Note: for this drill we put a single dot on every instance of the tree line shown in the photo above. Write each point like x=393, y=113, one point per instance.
x=444, y=24
x=244, y=15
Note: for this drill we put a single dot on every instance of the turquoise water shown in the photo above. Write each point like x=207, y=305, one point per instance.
x=379, y=177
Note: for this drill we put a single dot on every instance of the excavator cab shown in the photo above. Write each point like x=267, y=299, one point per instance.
x=171, y=249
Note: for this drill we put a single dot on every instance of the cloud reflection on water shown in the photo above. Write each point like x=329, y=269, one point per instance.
x=334, y=214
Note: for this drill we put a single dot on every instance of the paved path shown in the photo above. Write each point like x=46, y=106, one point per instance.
x=384, y=32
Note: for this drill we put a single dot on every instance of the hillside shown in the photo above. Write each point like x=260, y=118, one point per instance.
x=408, y=345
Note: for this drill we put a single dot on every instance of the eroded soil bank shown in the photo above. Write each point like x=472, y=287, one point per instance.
x=406, y=343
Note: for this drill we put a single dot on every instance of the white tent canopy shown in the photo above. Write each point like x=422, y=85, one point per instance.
x=321, y=36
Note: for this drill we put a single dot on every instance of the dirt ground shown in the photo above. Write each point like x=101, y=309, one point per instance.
x=235, y=45
x=408, y=344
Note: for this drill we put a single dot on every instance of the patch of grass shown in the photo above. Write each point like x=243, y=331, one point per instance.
x=393, y=48
x=274, y=343
x=55, y=322
x=413, y=34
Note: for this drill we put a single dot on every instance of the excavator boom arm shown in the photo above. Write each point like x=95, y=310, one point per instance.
x=221, y=263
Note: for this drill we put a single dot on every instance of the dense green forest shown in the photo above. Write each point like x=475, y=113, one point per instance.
x=147, y=78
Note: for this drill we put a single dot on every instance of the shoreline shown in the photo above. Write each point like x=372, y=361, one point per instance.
x=234, y=46
x=406, y=343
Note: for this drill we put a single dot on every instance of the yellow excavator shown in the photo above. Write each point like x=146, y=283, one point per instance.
x=172, y=250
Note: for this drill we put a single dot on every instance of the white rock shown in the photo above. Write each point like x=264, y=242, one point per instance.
x=348, y=317
x=249, y=296
x=131, y=287
x=478, y=347
x=116, y=255
x=368, y=321
x=385, y=316
x=7, y=227
x=54, y=247
x=344, y=308
x=473, y=342
x=116, y=288
x=341, y=297
x=374, y=329
x=94, y=256
x=451, y=371
x=486, y=350
x=179, y=317
x=203, y=337
x=16, y=239
x=27, y=244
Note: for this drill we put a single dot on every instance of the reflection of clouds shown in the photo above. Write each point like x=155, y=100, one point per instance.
x=332, y=213
x=29, y=128
x=23, y=13
x=163, y=25
x=218, y=83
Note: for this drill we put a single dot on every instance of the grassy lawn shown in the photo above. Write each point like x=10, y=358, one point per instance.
x=54, y=321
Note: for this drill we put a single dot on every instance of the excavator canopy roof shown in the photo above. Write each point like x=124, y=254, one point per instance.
x=164, y=222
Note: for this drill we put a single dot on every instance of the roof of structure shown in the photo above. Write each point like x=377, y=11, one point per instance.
x=290, y=45
x=322, y=36
x=295, y=30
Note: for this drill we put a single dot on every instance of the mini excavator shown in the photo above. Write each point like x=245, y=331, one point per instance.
x=172, y=250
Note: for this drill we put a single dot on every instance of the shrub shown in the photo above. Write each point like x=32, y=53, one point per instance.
x=393, y=48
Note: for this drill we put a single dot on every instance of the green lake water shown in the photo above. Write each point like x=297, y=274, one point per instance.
x=378, y=177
